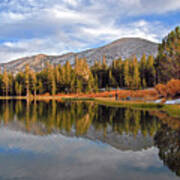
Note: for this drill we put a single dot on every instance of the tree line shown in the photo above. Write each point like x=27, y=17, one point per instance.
x=129, y=73
x=80, y=77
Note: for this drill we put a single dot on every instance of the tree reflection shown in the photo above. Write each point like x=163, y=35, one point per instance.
x=47, y=117
x=168, y=142
x=97, y=121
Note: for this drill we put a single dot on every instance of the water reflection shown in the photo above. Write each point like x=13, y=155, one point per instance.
x=77, y=117
x=168, y=142
x=101, y=142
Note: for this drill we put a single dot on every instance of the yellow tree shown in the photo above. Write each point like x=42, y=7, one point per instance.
x=5, y=80
x=127, y=78
x=18, y=88
x=34, y=82
x=53, y=85
x=136, y=75
x=27, y=82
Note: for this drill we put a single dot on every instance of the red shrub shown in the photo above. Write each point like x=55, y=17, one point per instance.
x=173, y=87
x=161, y=89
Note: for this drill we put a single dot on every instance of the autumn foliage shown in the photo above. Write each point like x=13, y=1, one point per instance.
x=171, y=89
x=122, y=94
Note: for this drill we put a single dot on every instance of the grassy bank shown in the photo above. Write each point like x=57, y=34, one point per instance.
x=133, y=104
x=172, y=110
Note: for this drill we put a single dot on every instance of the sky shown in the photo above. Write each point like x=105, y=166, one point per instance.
x=55, y=27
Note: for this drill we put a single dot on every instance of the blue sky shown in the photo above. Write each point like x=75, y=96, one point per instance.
x=54, y=27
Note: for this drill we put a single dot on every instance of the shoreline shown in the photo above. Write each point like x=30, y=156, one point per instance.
x=173, y=110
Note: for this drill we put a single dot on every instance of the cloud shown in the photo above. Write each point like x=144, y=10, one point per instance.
x=72, y=2
x=142, y=7
x=42, y=26
x=140, y=28
x=11, y=17
x=60, y=157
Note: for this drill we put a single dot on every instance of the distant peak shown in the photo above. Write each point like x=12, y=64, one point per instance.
x=41, y=55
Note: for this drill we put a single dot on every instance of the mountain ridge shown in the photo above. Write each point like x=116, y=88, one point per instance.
x=124, y=48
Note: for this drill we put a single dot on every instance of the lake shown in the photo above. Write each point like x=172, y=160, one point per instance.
x=77, y=140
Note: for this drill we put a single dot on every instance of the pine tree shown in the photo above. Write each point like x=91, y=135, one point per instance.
x=20, y=79
x=53, y=86
x=136, y=75
x=96, y=84
x=150, y=72
x=168, y=59
x=143, y=71
x=18, y=88
x=104, y=65
x=78, y=84
x=90, y=84
x=5, y=80
x=117, y=72
x=34, y=83
x=11, y=83
x=68, y=70
x=127, y=79
x=82, y=69
x=72, y=83
x=112, y=82
x=58, y=78
x=50, y=78
x=40, y=87
x=27, y=76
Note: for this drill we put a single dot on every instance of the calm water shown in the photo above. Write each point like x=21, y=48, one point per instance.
x=54, y=140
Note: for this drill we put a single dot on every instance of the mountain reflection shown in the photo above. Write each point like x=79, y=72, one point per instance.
x=122, y=128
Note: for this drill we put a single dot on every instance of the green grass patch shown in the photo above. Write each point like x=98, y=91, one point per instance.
x=128, y=104
x=172, y=110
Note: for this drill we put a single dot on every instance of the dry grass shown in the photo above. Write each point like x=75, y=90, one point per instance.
x=150, y=94
x=122, y=94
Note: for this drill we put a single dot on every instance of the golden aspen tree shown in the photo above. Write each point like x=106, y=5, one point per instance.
x=136, y=74
x=126, y=73
x=27, y=82
x=5, y=81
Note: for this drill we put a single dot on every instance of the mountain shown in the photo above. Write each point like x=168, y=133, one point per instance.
x=125, y=48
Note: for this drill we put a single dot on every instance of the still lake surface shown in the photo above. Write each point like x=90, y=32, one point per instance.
x=55, y=140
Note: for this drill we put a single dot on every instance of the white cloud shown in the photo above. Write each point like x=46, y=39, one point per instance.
x=148, y=7
x=72, y=2
x=60, y=157
x=139, y=28
x=11, y=17
x=43, y=26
